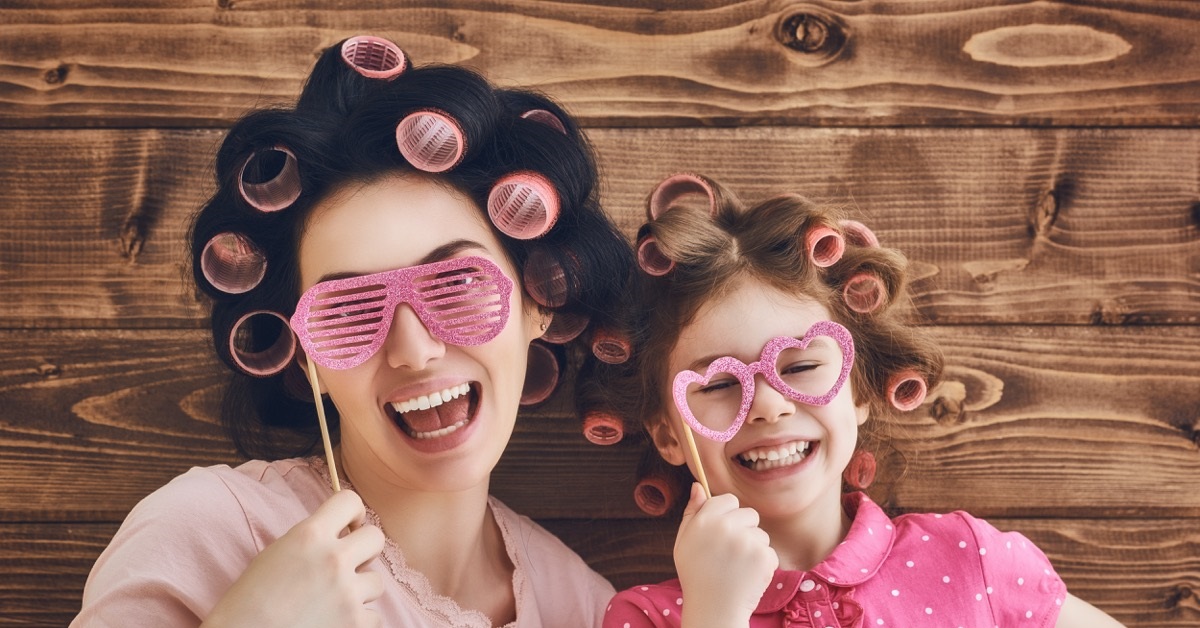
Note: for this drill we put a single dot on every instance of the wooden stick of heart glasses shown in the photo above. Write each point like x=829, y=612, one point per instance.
x=312, y=379
x=691, y=440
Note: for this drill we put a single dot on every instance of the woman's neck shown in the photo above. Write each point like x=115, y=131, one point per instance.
x=451, y=538
x=802, y=540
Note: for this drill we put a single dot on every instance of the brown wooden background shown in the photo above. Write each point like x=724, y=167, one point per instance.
x=1039, y=162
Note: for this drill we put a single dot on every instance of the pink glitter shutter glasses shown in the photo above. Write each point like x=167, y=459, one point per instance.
x=462, y=301
x=718, y=407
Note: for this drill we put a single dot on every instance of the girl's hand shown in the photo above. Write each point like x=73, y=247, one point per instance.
x=725, y=561
x=312, y=576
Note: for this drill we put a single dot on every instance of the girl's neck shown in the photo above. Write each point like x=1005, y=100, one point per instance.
x=802, y=540
x=451, y=538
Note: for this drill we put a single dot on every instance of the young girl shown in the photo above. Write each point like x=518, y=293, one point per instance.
x=395, y=244
x=763, y=338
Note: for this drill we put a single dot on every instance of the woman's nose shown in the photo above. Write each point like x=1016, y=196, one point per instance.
x=768, y=405
x=409, y=342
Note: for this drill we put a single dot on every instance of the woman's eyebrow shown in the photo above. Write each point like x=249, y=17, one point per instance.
x=438, y=254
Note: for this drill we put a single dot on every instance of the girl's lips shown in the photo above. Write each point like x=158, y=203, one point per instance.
x=769, y=463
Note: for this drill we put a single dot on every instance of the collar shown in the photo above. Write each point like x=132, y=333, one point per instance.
x=854, y=561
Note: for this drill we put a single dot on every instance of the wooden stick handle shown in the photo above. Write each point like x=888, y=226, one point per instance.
x=312, y=379
x=696, y=456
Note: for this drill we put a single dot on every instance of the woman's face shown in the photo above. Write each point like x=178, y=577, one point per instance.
x=396, y=222
x=787, y=456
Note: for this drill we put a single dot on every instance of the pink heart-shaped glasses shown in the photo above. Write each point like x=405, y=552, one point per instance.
x=810, y=370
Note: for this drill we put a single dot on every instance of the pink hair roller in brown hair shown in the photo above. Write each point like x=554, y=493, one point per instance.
x=565, y=327
x=610, y=347
x=602, y=428
x=654, y=495
x=546, y=118
x=264, y=362
x=864, y=293
x=276, y=190
x=541, y=374
x=232, y=263
x=524, y=205
x=825, y=246
x=374, y=57
x=860, y=473
x=858, y=234
x=906, y=390
x=650, y=259
x=545, y=279
x=431, y=140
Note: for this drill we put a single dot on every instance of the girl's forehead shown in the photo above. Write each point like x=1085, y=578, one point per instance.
x=742, y=320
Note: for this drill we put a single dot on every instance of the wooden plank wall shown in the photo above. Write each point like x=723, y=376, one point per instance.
x=1039, y=161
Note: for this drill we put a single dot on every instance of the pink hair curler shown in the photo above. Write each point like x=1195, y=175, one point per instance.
x=651, y=260
x=864, y=293
x=545, y=279
x=675, y=187
x=374, y=57
x=546, y=118
x=906, y=390
x=541, y=374
x=858, y=234
x=860, y=473
x=654, y=495
x=431, y=140
x=565, y=327
x=261, y=362
x=232, y=263
x=602, y=428
x=610, y=347
x=269, y=179
x=524, y=205
x=825, y=246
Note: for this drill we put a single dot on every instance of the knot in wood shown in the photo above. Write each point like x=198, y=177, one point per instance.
x=813, y=33
x=1196, y=214
x=49, y=371
x=57, y=75
x=946, y=410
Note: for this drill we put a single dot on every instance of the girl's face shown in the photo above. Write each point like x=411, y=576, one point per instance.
x=396, y=222
x=812, y=444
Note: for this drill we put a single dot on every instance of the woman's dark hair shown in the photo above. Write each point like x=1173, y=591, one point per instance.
x=709, y=249
x=342, y=131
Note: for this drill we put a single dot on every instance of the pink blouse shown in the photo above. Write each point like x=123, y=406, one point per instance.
x=919, y=570
x=181, y=548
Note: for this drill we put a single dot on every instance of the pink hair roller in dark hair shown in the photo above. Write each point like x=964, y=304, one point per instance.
x=565, y=327
x=825, y=246
x=654, y=495
x=541, y=374
x=264, y=362
x=545, y=279
x=524, y=205
x=431, y=140
x=232, y=263
x=650, y=259
x=602, y=428
x=610, y=347
x=546, y=118
x=374, y=57
x=269, y=179
x=906, y=390
x=864, y=293
x=858, y=234
x=860, y=473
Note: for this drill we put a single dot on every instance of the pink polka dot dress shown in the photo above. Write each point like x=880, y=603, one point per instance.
x=919, y=570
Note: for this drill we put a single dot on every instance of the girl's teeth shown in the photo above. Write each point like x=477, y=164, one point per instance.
x=769, y=458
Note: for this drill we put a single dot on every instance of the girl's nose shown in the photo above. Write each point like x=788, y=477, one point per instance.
x=769, y=405
x=409, y=342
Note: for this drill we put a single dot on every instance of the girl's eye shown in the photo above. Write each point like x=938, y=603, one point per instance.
x=799, y=368
x=716, y=386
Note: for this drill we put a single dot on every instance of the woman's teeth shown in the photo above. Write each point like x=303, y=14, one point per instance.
x=439, y=433
x=763, y=458
x=425, y=402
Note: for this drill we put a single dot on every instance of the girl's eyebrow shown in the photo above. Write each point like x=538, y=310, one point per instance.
x=438, y=254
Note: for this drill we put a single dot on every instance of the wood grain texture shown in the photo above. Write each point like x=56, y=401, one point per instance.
x=1143, y=572
x=1070, y=226
x=908, y=62
x=1031, y=421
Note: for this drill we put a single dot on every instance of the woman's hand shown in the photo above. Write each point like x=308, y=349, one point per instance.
x=313, y=576
x=725, y=561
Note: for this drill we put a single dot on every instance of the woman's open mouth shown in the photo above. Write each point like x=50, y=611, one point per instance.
x=438, y=414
